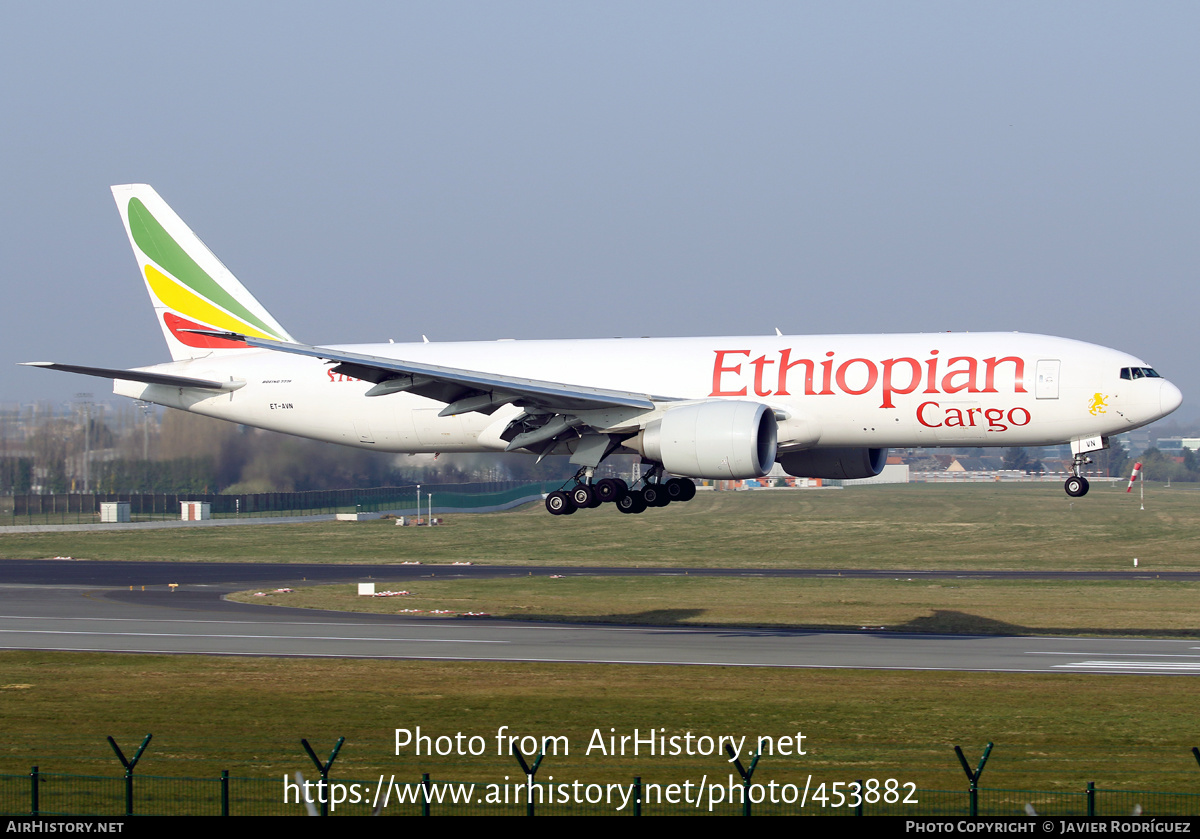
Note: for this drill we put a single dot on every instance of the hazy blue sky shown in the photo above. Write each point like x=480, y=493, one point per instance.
x=544, y=170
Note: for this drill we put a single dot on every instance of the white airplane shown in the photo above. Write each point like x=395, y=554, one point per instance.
x=824, y=406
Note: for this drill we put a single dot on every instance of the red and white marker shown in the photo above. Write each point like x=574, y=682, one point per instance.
x=1137, y=467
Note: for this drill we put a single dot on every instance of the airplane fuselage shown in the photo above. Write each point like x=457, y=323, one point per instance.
x=936, y=389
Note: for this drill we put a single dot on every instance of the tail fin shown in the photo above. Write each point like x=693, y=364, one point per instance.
x=188, y=285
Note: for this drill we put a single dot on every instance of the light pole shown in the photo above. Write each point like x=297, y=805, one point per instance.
x=87, y=438
x=145, y=406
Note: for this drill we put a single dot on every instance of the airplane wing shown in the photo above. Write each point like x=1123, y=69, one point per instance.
x=464, y=390
x=146, y=376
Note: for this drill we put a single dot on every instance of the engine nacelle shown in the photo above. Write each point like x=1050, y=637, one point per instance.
x=717, y=440
x=840, y=463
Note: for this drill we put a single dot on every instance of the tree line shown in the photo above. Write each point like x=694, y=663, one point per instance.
x=127, y=450
x=1118, y=463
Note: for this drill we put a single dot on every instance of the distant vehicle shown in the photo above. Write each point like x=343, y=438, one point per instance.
x=824, y=406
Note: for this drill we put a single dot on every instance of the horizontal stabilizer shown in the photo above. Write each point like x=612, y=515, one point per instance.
x=137, y=376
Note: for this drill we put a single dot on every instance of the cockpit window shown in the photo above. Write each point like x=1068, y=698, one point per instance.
x=1129, y=373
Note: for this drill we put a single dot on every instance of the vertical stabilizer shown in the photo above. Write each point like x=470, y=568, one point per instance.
x=188, y=285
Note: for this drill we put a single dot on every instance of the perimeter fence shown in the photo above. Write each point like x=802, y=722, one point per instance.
x=64, y=794
x=84, y=508
x=57, y=794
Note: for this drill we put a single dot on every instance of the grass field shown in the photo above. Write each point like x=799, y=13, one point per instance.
x=976, y=526
x=248, y=715
x=1053, y=732
x=1153, y=608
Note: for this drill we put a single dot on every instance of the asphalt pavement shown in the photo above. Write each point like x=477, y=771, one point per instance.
x=129, y=607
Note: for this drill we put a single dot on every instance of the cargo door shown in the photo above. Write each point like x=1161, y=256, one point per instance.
x=1046, y=386
x=362, y=428
x=437, y=433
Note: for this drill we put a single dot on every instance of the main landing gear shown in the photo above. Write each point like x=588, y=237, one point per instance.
x=585, y=495
x=655, y=492
x=1077, y=485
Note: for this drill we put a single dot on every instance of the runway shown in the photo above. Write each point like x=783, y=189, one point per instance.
x=88, y=606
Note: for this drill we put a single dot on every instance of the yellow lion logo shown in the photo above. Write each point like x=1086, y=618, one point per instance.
x=1097, y=405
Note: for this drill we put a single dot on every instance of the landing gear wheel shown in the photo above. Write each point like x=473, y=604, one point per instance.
x=656, y=495
x=583, y=496
x=631, y=502
x=680, y=489
x=559, y=504
x=1076, y=486
x=610, y=489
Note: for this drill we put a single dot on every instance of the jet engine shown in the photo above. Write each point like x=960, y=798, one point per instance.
x=841, y=463
x=717, y=440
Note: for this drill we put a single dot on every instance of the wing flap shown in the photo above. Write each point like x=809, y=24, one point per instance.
x=449, y=384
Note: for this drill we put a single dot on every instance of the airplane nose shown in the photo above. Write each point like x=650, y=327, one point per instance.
x=1169, y=398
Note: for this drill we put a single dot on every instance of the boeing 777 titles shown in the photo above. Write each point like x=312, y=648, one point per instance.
x=823, y=406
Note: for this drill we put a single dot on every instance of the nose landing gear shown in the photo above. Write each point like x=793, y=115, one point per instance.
x=1077, y=485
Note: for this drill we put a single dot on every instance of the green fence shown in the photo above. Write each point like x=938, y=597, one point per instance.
x=1127, y=803
x=79, y=508
x=46, y=793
